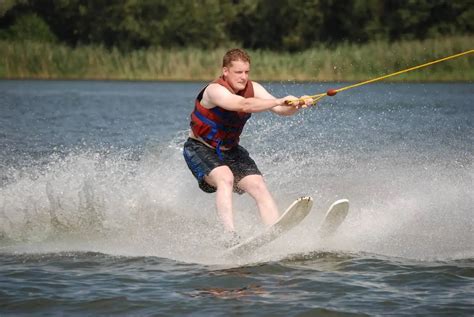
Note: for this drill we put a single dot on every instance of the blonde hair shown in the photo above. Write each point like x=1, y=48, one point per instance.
x=235, y=54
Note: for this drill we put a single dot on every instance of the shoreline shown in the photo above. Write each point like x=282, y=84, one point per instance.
x=343, y=63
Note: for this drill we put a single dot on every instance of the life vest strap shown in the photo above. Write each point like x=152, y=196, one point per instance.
x=214, y=124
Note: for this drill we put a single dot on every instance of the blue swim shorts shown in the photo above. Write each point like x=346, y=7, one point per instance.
x=202, y=159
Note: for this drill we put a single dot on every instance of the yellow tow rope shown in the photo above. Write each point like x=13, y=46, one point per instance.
x=332, y=92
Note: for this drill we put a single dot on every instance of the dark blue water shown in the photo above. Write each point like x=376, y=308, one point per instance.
x=99, y=214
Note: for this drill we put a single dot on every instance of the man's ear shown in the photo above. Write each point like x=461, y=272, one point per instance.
x=225, y=71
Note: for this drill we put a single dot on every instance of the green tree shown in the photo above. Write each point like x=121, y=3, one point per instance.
x=288, y=25
x=278, y=24
x=420, y=19
x=29, y=27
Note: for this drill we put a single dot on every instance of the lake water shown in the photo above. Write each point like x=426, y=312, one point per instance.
x=99, y=214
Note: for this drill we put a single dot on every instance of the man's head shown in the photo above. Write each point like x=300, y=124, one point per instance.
x=236, y=68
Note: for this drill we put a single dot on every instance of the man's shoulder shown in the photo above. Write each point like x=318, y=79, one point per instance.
x=256, y=84
x=212, y=93
x=260, y=91
x=216, y=86
x=214, y=89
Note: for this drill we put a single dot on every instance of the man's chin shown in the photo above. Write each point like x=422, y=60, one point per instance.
x=240, y=87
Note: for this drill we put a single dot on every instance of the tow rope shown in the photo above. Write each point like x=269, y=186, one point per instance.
x=333, y=92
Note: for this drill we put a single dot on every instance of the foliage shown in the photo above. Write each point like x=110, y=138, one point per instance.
x=343, y=62
x=284, y=25
x=29, y=27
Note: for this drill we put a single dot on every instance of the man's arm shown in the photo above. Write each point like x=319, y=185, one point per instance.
x=284, y=109
x=217, y=95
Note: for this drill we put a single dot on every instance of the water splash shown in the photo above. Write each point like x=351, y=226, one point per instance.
x=406, y=200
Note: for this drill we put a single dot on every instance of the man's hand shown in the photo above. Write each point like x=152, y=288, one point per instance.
x=289, y=101
x=289, y=105
x=306, y=101
x=301, y=102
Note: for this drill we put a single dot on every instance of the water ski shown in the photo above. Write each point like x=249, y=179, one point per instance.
x=334, y=217
x=297, y=211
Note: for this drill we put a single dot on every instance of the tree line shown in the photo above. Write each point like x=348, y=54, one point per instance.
x=281, y=25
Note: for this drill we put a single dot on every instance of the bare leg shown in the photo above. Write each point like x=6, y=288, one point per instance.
x=255, y=186
x=222, y=178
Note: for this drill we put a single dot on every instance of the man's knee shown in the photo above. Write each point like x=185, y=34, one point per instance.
x=253, y=184
x=221, y=176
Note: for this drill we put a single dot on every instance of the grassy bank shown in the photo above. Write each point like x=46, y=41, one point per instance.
x=345, y=62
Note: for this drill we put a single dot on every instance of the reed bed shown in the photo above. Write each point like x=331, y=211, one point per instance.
x=345, y=62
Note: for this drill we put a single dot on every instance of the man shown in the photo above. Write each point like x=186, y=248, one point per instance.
x=213, y=153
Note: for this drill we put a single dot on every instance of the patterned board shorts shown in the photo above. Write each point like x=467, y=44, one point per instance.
x=202, y=159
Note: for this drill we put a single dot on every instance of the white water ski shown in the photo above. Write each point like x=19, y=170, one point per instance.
x=334, y=218
x=297, y=211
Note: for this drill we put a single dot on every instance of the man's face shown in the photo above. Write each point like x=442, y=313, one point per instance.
x=237, y=74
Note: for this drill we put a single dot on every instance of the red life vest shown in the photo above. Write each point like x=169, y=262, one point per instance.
x=218, y=126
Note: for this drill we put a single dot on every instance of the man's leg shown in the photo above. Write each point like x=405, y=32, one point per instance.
x=222, y=178
x=255, y=186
